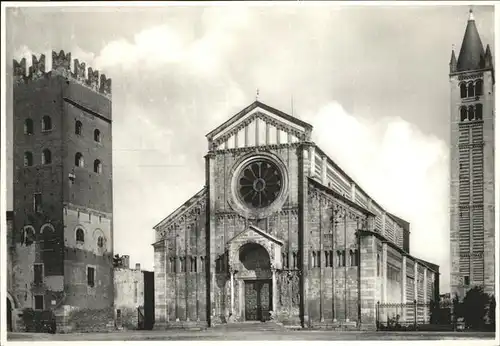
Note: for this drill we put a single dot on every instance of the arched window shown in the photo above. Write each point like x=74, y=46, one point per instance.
x=463, y=113
x=79, y=160
x=97, y=135
x=172, y=265
x=470, y=89
x=470, y=113
x=46, y=157
x=479, y=112
x=463, y=90
x=28, y=127
x=97, y=166
x=479, y=87
x=78, y=127
x=353, y=254
x=28, y=159
x=100, y=241
x=46, y=123
x=80, y=235
x=202, y=263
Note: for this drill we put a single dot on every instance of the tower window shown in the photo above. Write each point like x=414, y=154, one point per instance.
x=466, y=280
x=28, y=127
x=97, y=135
x=46, y=123
x=28, y=159
x=470, y=90
x=479, y=112
x=78, y=127
x=37, y=202
x=463, y=90
x=100, y=242
x=39, y=302
x=91, y=276
x=79, y=160
x=38, y=273
x=80, y=235
x=97, y=166
x=479, y=87
x=470, y=113
x=46, y=157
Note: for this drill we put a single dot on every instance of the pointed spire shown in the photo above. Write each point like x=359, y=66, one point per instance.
x=488, y=58
x=471, y=55
x=453, y=61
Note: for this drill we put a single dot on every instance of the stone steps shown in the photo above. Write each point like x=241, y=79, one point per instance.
x=250, y=326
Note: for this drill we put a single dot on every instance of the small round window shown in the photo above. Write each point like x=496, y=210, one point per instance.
x=259, y=183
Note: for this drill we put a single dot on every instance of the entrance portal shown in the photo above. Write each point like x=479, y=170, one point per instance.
x=258, y=300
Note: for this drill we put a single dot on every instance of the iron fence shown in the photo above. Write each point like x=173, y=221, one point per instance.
x=414, y=316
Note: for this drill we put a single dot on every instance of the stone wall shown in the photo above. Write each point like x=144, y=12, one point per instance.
x=129, y=296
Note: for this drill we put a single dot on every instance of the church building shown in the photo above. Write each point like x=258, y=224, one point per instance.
x=280, y=232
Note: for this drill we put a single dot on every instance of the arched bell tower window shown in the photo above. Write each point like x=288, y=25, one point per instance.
x=463, y=90
x=28, y=159
x=479, y=87
x=479, y=112
x=46, y=123
x=470, y=113
x=463, y=113
x=470, y=89
x=80, y=235
x=46, y=157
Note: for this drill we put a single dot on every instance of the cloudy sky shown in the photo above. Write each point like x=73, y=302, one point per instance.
x=373, y=81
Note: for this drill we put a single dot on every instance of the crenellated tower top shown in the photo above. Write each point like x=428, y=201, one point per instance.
x=61, y=65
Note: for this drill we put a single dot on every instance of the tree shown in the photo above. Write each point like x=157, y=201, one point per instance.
x=491, y=310
x=474, y=306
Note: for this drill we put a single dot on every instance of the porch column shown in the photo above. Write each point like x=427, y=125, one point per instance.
x=231, y=273
x=274, y=289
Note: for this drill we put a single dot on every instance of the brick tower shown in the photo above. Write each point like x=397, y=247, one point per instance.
x=472, y=198
x=63, y=223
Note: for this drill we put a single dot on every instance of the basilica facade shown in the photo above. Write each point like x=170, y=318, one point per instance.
x=280, y=232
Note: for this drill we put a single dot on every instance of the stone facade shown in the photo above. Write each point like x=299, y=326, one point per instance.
x=308, y=247
x=62, y=238
x=134, y=298
x=472, y=161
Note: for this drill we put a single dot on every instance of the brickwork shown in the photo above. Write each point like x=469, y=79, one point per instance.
x=53, y=197
x=472, y=193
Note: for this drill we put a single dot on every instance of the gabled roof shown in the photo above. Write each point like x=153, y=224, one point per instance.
x=185, y=206
x=260, y=232
x=250, y=108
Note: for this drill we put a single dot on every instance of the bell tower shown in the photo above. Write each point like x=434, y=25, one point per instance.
x=472, y=199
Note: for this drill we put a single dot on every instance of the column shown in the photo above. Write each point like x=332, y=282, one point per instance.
x=231, y=273
x=275, y=289
x=210, y=227
x=278, y=136
x=268, y=128
x=236, y=139
x=415, y=286
x=384, y=273
x=304, y=233
x=312, y=160
x=323, y=171
x=403, y=288
x=257, y=120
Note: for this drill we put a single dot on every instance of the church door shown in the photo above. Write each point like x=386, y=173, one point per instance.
x=257, y=300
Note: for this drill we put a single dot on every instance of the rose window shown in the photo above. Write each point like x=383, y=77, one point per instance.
x=259, y=183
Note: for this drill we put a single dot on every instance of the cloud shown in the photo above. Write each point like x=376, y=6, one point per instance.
x=402, y=168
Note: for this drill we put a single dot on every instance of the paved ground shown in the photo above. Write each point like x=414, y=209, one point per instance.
x=208, y=335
